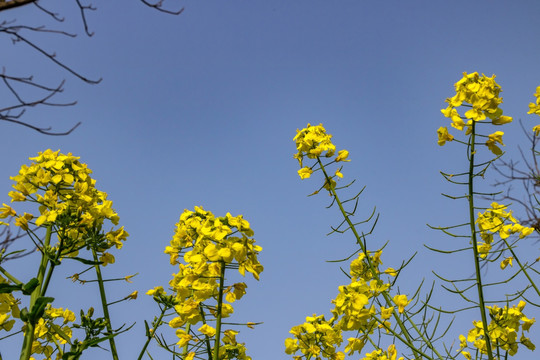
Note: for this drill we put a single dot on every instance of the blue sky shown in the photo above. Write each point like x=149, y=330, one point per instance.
x=201, y=109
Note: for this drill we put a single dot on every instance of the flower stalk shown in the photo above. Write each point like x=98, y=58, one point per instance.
x=474, y=241
x=36, y=293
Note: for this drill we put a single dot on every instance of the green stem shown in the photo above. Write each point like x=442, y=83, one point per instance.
x=374, y=272
x=398, y=336
x=104, y=305
x=153, y=331
x=522, y=267
x=10, y=277
x=51, y=269
x=185, y=349
x=219, y=309
x=206, y=337
x=26, y=351
x=472, y=222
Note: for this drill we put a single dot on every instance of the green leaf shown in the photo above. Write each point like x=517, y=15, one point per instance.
x=147, y=329
x=30, y=286
x=85, y=261
x=8, y=288
x=61, y=332
x=39, y=308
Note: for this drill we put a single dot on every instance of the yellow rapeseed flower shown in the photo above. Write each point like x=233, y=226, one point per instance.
x=443, y=136
x=313, y=142
x=534, y=108
x=401, y=301
x=207, y=330
x=506, y=262
x=481, y=96
x=494, y=138
x=305, y=173
x=343, y=155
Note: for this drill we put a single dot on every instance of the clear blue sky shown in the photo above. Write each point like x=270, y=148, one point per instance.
x=201, y=109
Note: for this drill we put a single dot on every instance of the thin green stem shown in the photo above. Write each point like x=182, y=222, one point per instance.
x=472, y=222
x=206, y=337
x=188, y=328
x=522, y=267
x=104, y=305
x=374, y=272
x=152, y=332
x=26, y=351
x=426, y=340
x=9, y=276
x=398, y=336
x=219, y=310
x=185, y=349
x=51, y=268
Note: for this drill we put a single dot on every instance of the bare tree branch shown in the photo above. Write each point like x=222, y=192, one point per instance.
x=10, y=4
x=528, y=175
x=24, y=34
x=24, y=92
x=9, y=239
x=159, y=6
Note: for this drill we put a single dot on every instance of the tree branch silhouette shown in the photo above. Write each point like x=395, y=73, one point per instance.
x=24, y=92
x=526, y=172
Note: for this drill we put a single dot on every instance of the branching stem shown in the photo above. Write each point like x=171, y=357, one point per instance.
x=105, y=307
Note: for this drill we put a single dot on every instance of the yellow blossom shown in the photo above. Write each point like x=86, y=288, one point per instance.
x=354, y=345
x=401, y=301
x=313, y=141
x=291, y=346
x=184, y=337
x=158, y=290
x=107, y=259
x=444, y=136
x=207, y=330
x=494, y=138
x=305, y=173
x=343, y=155
x=62, y=188
x=6, y=211
x=386, y=313
x=22, y=221
x=534, y=108
x=481, y=94
x=506, y=262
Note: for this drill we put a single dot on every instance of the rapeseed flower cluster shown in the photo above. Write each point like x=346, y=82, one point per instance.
x=357, y=306
x=379, y=354
x=496, y=220
x=480, y=94
x=352, y=304
x=354, y=310
x=503, y=330
x=208, y=245
x=48, y=336
x=316, y=339
x=67, y=198
x=313, y=142
x=9, y=309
